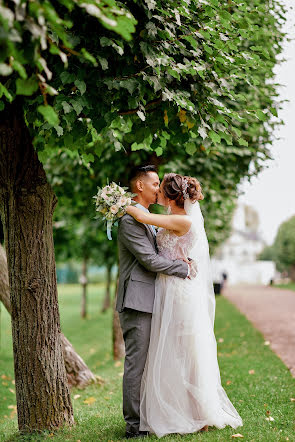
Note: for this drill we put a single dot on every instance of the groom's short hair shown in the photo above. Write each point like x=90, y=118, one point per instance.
x=139, y=171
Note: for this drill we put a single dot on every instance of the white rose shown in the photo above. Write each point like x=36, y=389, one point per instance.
x=123, y=200
x=114, y=209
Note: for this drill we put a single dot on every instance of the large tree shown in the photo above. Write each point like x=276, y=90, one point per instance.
x=32, y=35
x=196, y=77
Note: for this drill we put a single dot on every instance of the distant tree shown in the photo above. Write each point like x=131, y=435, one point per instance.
x=267, y=254
x=284, y=247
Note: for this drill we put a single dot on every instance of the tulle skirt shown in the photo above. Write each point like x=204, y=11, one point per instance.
x=181, y=390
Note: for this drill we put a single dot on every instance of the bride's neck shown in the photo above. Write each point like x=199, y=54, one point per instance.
x=177, y=210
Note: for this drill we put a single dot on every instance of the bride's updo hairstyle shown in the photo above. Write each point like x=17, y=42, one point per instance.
x=177, y=187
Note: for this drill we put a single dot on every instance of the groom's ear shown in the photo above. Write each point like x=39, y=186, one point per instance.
x=139, y=185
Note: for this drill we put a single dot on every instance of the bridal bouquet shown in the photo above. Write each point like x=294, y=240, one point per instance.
x=111, y=202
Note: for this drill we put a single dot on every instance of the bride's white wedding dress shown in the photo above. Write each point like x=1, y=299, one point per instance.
x=181, y=391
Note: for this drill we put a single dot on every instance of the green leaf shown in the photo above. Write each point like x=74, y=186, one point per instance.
x=67, y=107
x=59, y=130
x=81, y=85
x=49, y=114
x=242, y=142
x=19, y=68
x=103, y=62
x=88, y=56
x=26, y=86
x=214, y=136
x=261, y=115
x=66, y=77
x=5, y=92
x=159, y=151
x=77, y=106
x=190, y=148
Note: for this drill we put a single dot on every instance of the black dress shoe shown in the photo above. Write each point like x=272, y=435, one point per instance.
x=132, y=435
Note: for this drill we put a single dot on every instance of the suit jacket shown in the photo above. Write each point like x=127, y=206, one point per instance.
x=139, y=264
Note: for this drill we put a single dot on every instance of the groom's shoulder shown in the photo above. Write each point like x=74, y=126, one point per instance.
x=128, y=221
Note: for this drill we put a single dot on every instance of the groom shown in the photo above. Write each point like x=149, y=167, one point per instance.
x=139, y=264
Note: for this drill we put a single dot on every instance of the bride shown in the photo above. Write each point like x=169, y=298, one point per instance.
x=181, y=391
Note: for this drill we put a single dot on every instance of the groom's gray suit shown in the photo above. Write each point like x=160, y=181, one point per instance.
x=139, y=264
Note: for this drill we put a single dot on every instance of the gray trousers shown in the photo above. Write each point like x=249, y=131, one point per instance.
x=136, y=328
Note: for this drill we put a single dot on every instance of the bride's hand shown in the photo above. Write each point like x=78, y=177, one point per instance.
x=131, y=210
x=193, y=270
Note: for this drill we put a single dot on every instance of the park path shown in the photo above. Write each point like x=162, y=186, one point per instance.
x=272, y=311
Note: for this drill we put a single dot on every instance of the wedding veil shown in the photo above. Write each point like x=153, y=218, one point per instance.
x=200, y=254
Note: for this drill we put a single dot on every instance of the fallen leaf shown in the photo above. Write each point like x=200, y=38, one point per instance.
x=90, y=400
x=228, y=382
x=269, y=418
x=118, y=364
x=266, y=343
x=237, y=435
x=292, y=399
x=220, y=340
x=13, y=381
x=3, y=376
x=13, y=407
x=77, y=396
x=251, y=371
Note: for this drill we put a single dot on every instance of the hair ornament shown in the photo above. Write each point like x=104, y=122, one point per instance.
x=184, y=188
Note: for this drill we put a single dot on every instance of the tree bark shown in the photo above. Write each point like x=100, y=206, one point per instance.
x=83, y=281
x=27, y=203
x=107, y=298
x=78, y=374
x=118, y=341
x=292, y=272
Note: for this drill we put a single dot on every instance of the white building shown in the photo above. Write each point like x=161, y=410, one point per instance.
x=237, y=256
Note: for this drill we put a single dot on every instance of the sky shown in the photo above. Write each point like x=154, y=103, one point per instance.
x=272, y=192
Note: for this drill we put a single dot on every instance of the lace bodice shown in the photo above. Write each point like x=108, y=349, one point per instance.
x=173, y=246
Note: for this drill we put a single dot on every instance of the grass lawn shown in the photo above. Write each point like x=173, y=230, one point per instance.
x=266, y=390
x=289, y=286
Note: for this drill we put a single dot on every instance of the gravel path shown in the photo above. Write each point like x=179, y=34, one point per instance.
x=272, y=311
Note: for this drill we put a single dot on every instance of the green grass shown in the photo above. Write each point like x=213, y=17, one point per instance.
x=268, y=389
x=289, y=286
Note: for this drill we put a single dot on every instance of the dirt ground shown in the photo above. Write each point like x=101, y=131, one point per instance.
x=272, y=311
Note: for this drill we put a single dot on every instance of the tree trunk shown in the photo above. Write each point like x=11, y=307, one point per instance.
x=83, y=281
x=107, y=298
x=78, y=374
x=292, y=272
x=27, y=203
x=118, y=341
